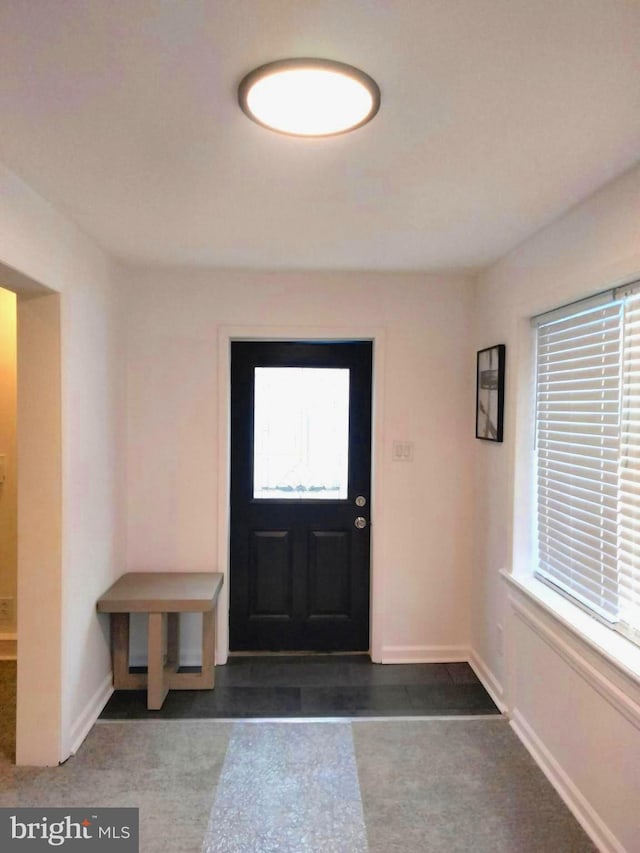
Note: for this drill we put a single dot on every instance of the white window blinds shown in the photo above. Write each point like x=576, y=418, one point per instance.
x=588, y=456
x=629, y=483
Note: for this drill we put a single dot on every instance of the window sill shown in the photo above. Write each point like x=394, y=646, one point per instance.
x=613, y=647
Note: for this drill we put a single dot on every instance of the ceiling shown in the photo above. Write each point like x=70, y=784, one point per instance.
x=496, y=116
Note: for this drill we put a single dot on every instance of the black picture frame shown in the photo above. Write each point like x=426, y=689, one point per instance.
x=490, y=364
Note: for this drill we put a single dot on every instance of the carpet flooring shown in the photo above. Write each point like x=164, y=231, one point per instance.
x=426, y=786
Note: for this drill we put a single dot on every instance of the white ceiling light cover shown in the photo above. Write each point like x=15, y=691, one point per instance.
x=309, y=97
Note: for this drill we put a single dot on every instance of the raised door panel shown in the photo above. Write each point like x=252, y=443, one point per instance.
x=270, y=592
x=328, y=593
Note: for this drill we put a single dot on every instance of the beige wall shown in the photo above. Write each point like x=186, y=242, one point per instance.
x=424, y=393
x=8, y=488
x=578, y=714
x=43, y=246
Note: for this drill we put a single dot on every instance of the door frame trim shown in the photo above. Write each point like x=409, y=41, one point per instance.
x=329, y=334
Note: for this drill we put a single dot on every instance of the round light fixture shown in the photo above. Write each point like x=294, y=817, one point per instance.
x=309, y=97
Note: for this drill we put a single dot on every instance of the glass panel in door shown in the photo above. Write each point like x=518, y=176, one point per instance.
x=301, y=433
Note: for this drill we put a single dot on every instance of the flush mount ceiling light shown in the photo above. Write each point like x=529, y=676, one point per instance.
x=309, y=97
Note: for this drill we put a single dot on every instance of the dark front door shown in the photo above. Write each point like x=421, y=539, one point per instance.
x=300, y=494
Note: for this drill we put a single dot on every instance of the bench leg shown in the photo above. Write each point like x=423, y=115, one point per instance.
x=156, y=686
x=203, y=680
x=122, y=678
x=208, y=648
x=173, y=641
x=120, y=649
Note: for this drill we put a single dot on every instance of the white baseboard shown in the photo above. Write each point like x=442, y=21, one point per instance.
x=581, y=809
x=84, y=723
x=8, y=646
x=488, y=679
x=424, y=654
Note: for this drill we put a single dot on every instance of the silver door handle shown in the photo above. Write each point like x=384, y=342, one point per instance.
x=360, y=522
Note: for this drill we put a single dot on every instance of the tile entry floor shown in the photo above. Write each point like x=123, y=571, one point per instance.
x=317, y=686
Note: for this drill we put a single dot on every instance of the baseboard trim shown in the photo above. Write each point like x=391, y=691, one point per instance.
x=424, y=654
x=488, y=679
x=579, y=806
x=8, y=646
x=92, y=710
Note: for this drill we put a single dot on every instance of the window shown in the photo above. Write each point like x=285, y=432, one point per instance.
x=588, y=455
x=301, y=433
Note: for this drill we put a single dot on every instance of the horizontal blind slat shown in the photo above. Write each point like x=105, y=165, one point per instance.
x=588, y=512
x=592, y=593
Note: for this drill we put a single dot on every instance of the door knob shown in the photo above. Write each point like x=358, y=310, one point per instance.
x=360, y=522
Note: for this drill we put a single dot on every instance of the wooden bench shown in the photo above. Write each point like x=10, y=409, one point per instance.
x=164, y=596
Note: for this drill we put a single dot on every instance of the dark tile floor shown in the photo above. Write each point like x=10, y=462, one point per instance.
x=318, y=686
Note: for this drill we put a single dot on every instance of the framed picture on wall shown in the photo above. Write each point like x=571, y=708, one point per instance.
x=490, y=392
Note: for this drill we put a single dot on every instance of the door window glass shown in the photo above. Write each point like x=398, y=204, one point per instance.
x=301, y=433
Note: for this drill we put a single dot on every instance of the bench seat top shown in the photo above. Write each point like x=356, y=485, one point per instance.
x=162, y=592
